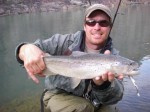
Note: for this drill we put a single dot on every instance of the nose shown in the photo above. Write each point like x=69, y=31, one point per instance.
x=97, y=26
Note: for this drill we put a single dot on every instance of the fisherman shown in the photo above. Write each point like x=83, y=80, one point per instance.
x=98, y=94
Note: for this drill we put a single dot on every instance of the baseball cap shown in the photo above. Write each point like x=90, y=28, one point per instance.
x=101, y=7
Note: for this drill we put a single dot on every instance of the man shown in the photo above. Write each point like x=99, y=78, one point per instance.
x=90, y=95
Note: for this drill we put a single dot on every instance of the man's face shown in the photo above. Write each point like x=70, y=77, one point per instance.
x=97, y=34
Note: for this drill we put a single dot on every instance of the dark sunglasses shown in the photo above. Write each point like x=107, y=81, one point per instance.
x=102, y=23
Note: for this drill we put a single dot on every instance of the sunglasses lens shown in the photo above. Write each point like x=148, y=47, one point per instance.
x=103, y=23
x=90, y=22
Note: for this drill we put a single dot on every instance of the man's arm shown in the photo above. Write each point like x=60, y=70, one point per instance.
x=107, y=94
x=107, y=89
x=31, y=57
x=108, y=76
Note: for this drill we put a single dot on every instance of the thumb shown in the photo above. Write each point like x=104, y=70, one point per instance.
x=107, y=52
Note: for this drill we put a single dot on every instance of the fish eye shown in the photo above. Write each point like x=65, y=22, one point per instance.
x=131, y=63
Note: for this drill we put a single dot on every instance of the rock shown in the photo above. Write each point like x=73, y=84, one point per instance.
x=2, y=11
x=76, y=2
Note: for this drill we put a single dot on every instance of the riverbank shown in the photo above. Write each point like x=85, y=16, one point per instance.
x=47, y=6
x=43, y=6
x=21, y=8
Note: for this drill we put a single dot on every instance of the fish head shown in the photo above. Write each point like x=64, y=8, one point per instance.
x=126, y=67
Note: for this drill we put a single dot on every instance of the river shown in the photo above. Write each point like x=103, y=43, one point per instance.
x=131, y=36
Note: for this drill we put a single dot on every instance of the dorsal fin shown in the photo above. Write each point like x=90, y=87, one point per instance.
x=75, y=82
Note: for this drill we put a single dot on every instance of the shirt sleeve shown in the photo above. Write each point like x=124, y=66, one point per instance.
x=17, y=53
x=108, y=95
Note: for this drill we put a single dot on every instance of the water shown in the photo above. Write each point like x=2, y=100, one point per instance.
x=130, y=35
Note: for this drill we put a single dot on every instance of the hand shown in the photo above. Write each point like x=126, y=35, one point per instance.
x=106, y=76
x=33, y=61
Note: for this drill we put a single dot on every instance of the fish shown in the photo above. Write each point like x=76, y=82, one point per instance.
x=88, y=65
x=81, y=65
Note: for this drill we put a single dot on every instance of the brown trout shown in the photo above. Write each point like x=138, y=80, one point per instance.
x=82, y=65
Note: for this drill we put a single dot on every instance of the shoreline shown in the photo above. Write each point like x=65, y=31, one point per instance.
x=22, y=8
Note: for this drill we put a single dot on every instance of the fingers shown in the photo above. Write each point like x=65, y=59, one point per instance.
x=32, y=76
x=120, y=77
x=32, y=57
x=105, y=77
x=37, y=65
x=108, y=76
x=32, y=73
x=34, y=67
x=41, y=63
x=98, y=80
x=107, y=52
x=111, y=76
x=41, y=74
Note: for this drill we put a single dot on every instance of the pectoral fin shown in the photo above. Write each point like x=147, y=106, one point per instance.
x=75, y=82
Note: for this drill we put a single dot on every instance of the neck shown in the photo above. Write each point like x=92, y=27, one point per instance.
x=94, y=47
x=89, y=50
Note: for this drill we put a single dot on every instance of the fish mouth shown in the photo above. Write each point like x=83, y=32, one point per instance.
x=134, y=72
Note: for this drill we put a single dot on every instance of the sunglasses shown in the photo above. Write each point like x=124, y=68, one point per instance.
x=102, y=23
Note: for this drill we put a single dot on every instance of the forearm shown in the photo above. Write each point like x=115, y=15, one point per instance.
x=23, y=49
x=21, y=52
x=17, y=52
